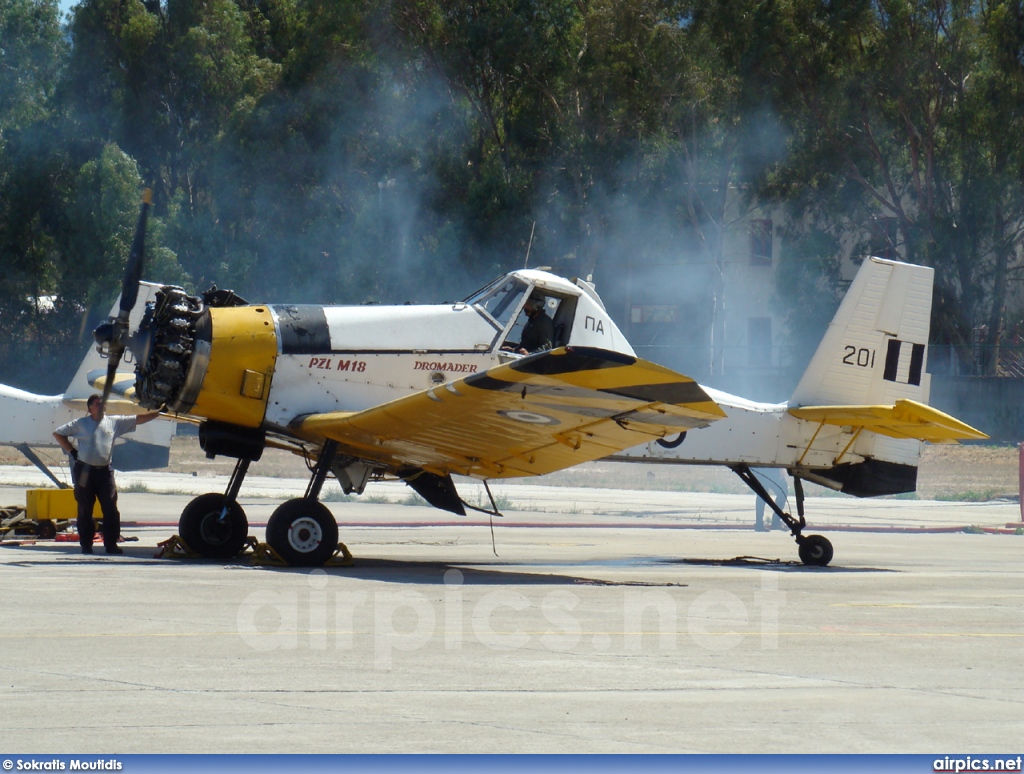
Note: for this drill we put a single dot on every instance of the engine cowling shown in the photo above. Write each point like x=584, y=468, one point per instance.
x=196, y=357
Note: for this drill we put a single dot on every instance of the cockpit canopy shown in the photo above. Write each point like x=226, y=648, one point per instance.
x=500, y=301
x=577, y=314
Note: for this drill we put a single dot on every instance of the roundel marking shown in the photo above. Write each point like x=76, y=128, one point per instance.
x=672, y=444
x=529, y=417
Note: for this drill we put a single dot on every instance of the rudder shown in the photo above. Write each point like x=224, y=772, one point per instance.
x=875, y=349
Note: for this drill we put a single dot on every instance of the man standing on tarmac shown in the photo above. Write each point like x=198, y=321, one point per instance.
x=94, y=478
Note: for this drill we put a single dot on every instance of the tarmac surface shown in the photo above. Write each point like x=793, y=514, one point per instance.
x=609, y=621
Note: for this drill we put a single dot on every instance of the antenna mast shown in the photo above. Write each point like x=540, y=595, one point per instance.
x=526, y=263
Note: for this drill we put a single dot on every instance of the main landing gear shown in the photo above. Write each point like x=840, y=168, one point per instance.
x=302, y=531
x=214, y=524
x=814, y=550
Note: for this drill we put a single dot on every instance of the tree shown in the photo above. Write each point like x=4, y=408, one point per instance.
x=900, y=109
x=32, y=52
x=170, y=84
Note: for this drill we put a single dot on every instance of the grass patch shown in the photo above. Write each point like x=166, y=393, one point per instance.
x=336, y=496
x=502, y=502
x=968, y=496
x=973, y=529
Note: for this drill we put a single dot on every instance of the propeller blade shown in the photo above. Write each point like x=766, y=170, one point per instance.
x=113, y=361
x=115, y=332
x=133, y=269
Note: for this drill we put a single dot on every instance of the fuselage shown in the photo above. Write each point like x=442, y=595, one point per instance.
x=767, y=435
x=265, y=366
x=252, y=370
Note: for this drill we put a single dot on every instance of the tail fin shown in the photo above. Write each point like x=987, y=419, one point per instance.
x=79, y=389
x=872, y=356
x=875, y=349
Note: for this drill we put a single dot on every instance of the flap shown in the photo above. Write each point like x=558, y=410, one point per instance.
x=905, y=419
x=543, y=413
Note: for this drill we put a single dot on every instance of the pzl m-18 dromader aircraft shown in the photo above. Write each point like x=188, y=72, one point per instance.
x=415, y=392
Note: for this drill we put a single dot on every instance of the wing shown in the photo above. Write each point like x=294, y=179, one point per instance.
x=543, y=413
x=904, y=419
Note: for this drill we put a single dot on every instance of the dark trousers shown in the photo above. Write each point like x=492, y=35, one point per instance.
x=91, y=484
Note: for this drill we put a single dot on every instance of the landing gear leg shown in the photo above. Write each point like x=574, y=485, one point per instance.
x=813, y=550
x=303, y=532
x=214, y=524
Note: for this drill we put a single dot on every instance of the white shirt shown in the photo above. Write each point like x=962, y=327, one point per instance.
x=95, y=440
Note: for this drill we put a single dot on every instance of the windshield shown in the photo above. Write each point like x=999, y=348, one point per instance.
x=499, y=300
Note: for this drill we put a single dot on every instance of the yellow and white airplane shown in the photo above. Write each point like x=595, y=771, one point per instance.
x=425, y=392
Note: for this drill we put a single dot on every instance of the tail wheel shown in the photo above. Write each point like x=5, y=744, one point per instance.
x=303, y=532
x=815, y=550
x=214, y=526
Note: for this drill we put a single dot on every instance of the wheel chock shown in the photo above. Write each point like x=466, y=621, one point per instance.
x=264, y=554
x=175, y=547
x=345, y=560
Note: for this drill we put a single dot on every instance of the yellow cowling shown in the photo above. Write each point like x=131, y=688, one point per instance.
x=243, y=350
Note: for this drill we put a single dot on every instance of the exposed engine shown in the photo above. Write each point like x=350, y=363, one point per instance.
x=172, y=346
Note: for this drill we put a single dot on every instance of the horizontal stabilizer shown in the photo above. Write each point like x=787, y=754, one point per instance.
x=904, y=419
x=124, y=385
x=539, y=414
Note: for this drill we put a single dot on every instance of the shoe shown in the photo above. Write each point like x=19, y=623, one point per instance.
x=115, y=550
x=86, y=549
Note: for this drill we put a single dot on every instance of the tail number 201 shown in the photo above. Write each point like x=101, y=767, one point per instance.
x=863, y=357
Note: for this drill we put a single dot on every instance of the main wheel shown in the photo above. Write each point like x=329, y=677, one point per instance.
x=303, y=532
x=46, y=529
x=815, y=550
x=213, y=526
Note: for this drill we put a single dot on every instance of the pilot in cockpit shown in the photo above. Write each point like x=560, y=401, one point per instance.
x=539, y=331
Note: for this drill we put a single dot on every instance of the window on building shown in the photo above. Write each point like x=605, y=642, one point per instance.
x=654, y=313
x=884, y=232
x=759, y=342
x=761, y=242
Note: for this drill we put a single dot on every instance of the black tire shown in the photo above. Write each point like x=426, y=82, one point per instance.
x=206, y=533
x=46, y=529
x=303, y=532
x=816, y=551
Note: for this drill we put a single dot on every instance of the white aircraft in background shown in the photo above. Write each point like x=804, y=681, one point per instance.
x=27, y=420
x=424, y=392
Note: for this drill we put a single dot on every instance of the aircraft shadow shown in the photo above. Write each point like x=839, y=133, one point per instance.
x=778, y=565
x=418, y=572
x=397, y=571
